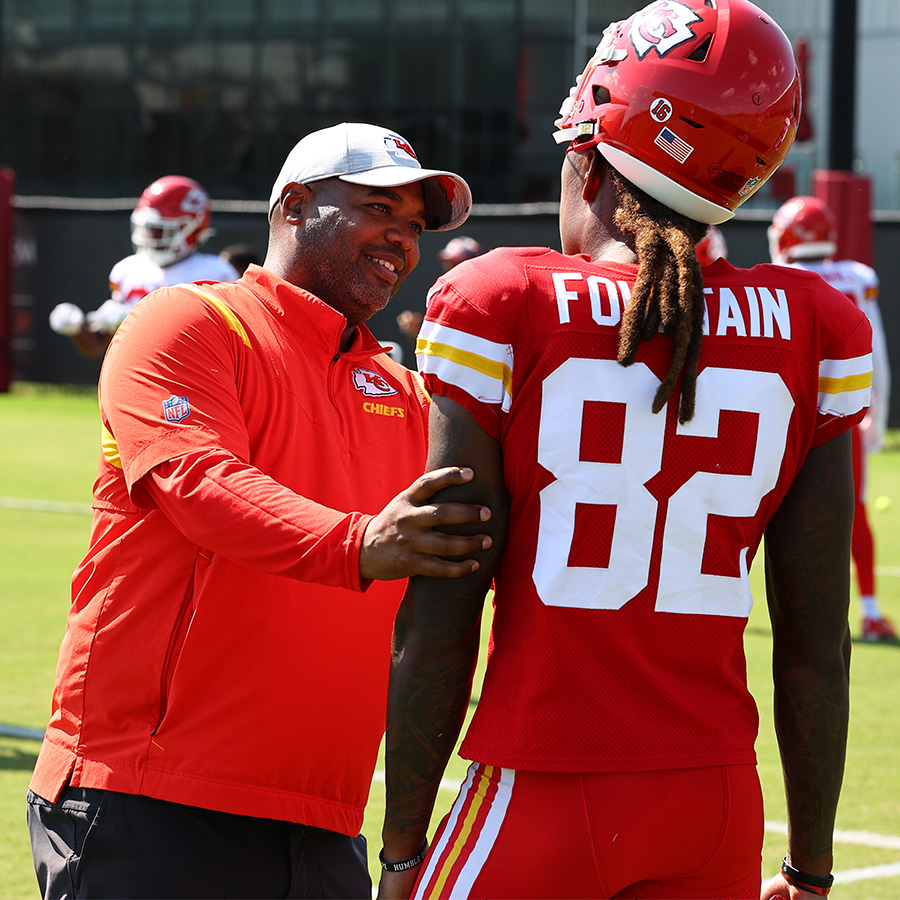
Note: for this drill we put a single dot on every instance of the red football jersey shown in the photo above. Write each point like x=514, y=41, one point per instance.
x=623, y=593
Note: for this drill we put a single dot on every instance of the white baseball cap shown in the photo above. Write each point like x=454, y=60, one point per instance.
x=374, y=156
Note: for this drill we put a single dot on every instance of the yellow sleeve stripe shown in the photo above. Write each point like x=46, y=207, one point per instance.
x=489, y=367
x=845, y=385
x=849, y=383
x=234, y=323
x=110, y=448
x=108, y=444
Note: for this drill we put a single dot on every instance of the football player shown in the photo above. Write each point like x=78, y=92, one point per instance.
x=169, y=225
x=637, y=427
x=458, y=250
x=711, y=247
x=803, y=234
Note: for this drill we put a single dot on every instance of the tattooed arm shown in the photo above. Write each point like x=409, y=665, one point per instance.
x=808, y=588
x=435, y=648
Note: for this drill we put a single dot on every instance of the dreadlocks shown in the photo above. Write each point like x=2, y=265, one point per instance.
x=668, y=290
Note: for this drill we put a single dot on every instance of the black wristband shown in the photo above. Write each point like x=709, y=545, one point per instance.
x=815, y=884
x=410, y=863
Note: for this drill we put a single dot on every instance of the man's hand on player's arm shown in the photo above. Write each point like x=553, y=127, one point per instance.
x=807, y=554
x=406, y=537
x=435, y=648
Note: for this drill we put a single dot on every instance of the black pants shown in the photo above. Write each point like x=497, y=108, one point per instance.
x=102, y=844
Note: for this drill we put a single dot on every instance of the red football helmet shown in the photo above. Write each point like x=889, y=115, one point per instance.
x=802, y=228
x=458, y=250
x=171, y=219
x=711, y=247
x=694, y=101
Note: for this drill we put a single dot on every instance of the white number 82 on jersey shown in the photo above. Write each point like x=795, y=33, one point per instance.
x=683, y=587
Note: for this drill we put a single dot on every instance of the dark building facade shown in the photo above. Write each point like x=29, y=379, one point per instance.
x=100, y=97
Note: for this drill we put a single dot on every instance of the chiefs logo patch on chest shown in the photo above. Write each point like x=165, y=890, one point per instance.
x=371, y=383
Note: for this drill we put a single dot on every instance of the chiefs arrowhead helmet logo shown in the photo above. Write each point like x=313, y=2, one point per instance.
x=662, y=26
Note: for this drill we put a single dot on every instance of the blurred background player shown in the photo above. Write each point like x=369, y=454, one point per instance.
x=711, y=247
x=456, y=251
x=803, y=234
x=169, y=225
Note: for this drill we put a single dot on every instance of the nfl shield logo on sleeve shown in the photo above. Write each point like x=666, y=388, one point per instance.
x=176, y=408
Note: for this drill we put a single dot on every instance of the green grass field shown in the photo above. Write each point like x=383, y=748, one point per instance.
x=48, y=452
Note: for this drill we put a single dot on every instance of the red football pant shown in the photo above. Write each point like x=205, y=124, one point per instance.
x=684, y=833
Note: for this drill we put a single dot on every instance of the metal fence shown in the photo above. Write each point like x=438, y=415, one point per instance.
x=64, y=250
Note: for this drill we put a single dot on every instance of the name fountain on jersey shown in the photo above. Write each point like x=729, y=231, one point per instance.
x=762, y=313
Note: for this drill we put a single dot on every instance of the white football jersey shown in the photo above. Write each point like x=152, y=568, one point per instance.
x=135, y=276
x=859, y=282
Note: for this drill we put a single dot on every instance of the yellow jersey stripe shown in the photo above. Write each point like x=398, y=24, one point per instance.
x=489, y=367
x=110, y=448
x=234, y=323
x=849, y=383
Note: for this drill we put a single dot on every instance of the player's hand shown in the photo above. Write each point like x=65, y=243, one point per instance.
x=401, y=540
x=779, y=888
x=872, y=435
x=398, y=885
x=108, y=317
x=67, y=319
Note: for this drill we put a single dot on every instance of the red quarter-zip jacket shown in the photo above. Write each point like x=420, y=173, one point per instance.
x=220, y=650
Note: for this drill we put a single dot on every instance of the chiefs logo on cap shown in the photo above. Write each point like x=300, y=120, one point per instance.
x=399, y=149
x=371, y=383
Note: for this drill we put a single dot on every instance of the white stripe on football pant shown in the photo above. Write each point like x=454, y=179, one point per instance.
x=436, y=850
x=482, y=368
x=479, y=852
x=482, y=850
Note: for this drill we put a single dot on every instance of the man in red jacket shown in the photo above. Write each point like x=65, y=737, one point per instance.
x=221, y=686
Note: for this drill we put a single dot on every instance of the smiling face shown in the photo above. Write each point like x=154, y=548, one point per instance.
x=355, y=244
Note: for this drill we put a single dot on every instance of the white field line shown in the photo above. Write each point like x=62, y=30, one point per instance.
x=14, y=731
x=447, y=784
x=31, y=505
x=862, y=838
x=888, y=870
x=45, y=505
